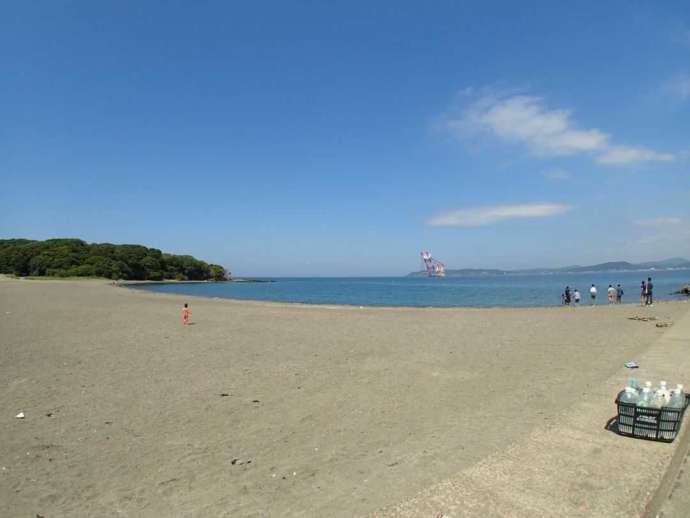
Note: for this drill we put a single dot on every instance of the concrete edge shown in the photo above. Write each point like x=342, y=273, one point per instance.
x=665, y=488
x=648, y=503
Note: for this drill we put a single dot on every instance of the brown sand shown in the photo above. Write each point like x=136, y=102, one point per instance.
x=331, y=411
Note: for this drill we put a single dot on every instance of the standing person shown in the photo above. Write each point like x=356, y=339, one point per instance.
x=567, y=295
x=593, y=294
x=577, y=296
x=619, y=294
x=650, y=292
x=643, y=294
x=185, y=313
x=612, y=294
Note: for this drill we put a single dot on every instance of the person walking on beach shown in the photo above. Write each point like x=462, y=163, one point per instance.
x=619, y=294
x=643, y=293
x=593, y=294
x=185, y=314
x=612, y=294
x=567, y=295
x=650, y=292
x=577, y=296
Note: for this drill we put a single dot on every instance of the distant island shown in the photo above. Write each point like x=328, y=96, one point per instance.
x=76, y=258
x=676, y=263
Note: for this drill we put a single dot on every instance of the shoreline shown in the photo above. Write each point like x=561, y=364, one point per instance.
x=175, y=282
x=133, y=286
x=130, y=282
x=370, y=306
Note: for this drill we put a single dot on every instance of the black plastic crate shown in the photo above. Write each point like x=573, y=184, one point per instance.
x=657, y=424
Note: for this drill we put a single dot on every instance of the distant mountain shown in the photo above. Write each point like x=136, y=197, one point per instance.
x=611, y=266
x=675, y=263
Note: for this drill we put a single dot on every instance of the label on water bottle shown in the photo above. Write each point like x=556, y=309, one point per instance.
x=647, y=419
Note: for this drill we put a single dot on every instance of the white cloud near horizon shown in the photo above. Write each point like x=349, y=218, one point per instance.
x=546, y=132
x=556, y=174
x=626, y=155
x=480, y=216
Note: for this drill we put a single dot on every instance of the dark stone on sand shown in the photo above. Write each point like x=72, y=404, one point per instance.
x=685, y=290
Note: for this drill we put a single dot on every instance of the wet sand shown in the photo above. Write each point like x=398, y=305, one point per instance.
x=261, y=409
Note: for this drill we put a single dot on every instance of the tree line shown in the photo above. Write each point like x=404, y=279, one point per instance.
x=76, y=258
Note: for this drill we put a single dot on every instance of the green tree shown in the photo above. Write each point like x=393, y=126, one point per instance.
x=218, y=273
x=66, y=257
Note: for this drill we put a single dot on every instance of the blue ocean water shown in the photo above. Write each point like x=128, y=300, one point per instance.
x=480, y=291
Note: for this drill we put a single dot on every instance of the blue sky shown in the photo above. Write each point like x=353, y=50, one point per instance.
x=341, y=138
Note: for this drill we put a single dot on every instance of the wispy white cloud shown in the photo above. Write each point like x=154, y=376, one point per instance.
x=556, y=174
x=679, y=86
x=626, y=155
x=658, y=222
x=479, y=216
x=545, y=131
x=525, y=119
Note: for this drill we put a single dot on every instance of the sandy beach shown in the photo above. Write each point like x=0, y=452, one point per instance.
x=264, y=409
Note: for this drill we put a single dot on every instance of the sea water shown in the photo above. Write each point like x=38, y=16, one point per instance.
x=476, y=291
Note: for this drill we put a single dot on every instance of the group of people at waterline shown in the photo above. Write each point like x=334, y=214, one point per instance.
x=615, y=294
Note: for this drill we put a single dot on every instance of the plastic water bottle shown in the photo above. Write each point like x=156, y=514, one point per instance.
x=677, y=397
x=644, y=402
x=660, y=396
x=646, y=397
x=671, y=414
x=626, y=414
x=630, y=396
x=648, y=388
x=665, y=391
